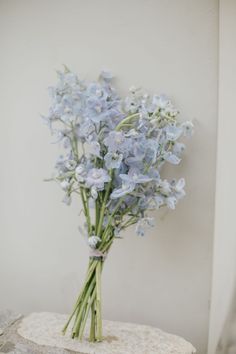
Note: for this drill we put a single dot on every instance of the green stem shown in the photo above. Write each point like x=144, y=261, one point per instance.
x=86, y=209
x=108, y=187
x=90, y=299
x=130, y=221
x=111, y=217
x=126, y=120
x=98, y=301
x=96, y=215
x=82, y=307
x=92, y=335
x=91, y=269
x=89, y=304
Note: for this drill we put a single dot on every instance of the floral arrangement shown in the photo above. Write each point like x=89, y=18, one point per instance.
x=114, y=151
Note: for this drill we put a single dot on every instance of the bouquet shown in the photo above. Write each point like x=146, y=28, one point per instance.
x=114, y=150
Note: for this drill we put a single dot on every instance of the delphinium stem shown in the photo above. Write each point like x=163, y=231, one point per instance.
x=93, y=323
x=89, y=300
x=98, y=301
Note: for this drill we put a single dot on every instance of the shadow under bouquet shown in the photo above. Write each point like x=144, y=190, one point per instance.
x=113, y=152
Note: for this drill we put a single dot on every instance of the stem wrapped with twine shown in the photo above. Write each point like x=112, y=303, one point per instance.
x=89, y=300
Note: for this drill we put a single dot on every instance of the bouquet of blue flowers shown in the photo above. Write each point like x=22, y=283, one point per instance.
x=113, y=152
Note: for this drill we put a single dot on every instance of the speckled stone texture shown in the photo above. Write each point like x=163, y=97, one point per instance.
x=45, y=328
x=7, y=317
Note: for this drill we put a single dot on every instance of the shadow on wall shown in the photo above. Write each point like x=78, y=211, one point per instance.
x=227, y=342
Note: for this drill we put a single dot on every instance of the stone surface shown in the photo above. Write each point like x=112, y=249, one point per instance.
x=7, y=317
x=20, y=348
x=44, y=329
x=12, y=343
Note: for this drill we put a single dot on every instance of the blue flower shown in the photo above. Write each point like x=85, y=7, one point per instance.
x=80, y=173
x=178, y=149
x=86, y=130
x=171, y=202
x=179, y=188
x=164, y=187
x=83, y=119
x=125, y=189
x=134, y=176
x=106, y=75
x=117, y=142
x=65, y=185
x=173, y=132
x=67, y=199
x=187, y=128
x=142, y=224
x=113, y=160
x=97, y=177
x=170, y=157
x=95, y=148
x=96, y=109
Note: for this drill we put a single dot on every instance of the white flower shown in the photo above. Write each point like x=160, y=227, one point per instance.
x=165, y=187
x=93, y=241
x=171, y=202
x=180, y=185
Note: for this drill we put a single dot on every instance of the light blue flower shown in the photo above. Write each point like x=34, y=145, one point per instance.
x=95, y=148
x=187, y=128
x=179, y=188
x=80, y=173
x=113, y=160
x=96, y=109
x=125, y=189
x=173, y=132
x=142, y=224
x=106, y=75
x=165, y=187
x=65, y=185
x=159, y=200
x=67, y=199
x=171, y=202
x=134, y=176
x=160, y=102
x=70, y=164
x=171, y=158
x=83, y=119
x=86, y=129
x=178, y=149
x=117, y=142
x=97, y=177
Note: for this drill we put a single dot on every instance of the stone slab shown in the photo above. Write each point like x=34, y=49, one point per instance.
x=7, y=317
x=44, y=329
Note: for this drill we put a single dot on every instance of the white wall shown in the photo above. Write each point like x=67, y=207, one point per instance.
x=224, y=265
x=166, y=46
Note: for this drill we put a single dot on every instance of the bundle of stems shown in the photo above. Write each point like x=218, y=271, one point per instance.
x=89, y=300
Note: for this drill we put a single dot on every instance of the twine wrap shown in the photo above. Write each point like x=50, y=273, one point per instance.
x=97, y=255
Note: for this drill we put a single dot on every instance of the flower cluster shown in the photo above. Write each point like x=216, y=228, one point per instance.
x=114, y=151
